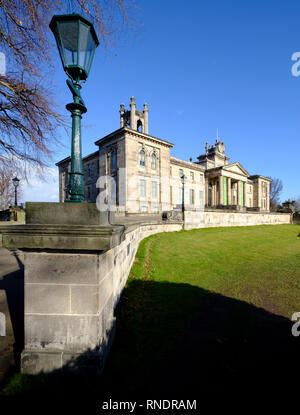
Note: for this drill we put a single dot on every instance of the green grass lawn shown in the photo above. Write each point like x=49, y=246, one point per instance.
x=209, y=304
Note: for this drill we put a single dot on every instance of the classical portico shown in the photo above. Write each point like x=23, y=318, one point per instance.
x=226, y=186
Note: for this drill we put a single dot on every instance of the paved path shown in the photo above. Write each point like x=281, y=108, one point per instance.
x=12, y=306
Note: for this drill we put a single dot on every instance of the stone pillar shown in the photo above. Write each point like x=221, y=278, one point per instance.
x=122, y=114
x=238, y=193
x=221, y=190
x=229, y=201
x=132, y=114
x=145, y=125
x=69, y=285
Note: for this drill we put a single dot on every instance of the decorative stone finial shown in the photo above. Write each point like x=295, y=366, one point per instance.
x=206, y=147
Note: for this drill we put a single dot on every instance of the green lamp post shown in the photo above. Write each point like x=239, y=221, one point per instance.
x=76, y=41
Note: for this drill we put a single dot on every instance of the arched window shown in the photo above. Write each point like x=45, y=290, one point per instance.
x=153, y=161
x=142, y=158
x=114, y=160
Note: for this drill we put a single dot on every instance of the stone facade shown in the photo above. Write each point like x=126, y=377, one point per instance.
x=138, y=175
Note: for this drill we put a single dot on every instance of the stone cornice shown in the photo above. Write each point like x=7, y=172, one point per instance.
x=188, y=164
x=148, y=137
x=58, y=237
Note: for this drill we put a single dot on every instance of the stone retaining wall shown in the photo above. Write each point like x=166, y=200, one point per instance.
x=74, y=276
x=206, y=219
x=70, y=299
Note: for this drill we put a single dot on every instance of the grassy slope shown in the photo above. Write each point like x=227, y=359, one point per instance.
x=211, y=301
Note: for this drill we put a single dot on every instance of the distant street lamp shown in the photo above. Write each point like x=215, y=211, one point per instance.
x=76, y=41
x=183, y=177
x=16, y=182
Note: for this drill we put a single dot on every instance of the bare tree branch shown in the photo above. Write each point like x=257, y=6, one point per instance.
x=276, y=187
x=29, y=120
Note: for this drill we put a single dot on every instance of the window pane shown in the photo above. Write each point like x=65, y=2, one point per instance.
x=89, y=53
x=154, y=190
x=201, y=198
x=142, y=158
x=69, y=36
x=191, y=196
x=153, y=162
x=83, y=39
x=143, y=188
x=114, y=160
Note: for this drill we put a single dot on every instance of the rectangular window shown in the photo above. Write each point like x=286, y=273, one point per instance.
x=250, y=202
x=180, y=172
x=143, y=188
x=192, y=176
x=171, y=194
x=201, y=201
x=180, y=195
x=201, y=178
x=89, y=170
x=154, y=190
x=155, y=209
x=192, y=198
x=264, y=203
x=170, y=171
x=144, y=209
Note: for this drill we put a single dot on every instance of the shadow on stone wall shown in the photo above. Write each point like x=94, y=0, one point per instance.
x=176, y=341
x=13, y=285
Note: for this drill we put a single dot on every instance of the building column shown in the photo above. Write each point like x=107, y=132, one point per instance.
x=229, y=201
x=244, y=192
x=122, y=114
x=214, y=193
x=221, y=190
x=145, y=125
x=238, y=193
x=132, y=113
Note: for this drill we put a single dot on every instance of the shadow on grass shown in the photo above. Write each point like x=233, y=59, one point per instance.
x=178, y=341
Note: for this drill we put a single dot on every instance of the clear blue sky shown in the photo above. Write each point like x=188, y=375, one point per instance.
x=201, y=65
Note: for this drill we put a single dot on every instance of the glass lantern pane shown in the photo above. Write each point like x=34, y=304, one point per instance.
x=91, y=46
x=69, y=37
x=61, y=53
x=83, y=39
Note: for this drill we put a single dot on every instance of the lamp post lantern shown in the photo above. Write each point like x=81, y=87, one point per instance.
x=16, y=182
x=77, y=41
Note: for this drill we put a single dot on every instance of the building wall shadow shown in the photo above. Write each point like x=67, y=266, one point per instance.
x=13, y=285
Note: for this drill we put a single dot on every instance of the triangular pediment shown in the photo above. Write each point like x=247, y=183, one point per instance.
x=236, y=168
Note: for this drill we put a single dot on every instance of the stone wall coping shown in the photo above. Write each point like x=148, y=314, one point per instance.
x=247, y=212
x=62, y=237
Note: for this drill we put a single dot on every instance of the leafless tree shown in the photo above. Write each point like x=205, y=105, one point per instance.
x=29, y=119
x=275, y=190
x=297, y=203
x=9, y=168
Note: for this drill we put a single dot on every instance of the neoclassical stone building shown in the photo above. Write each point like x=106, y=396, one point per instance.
x=135, y=172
